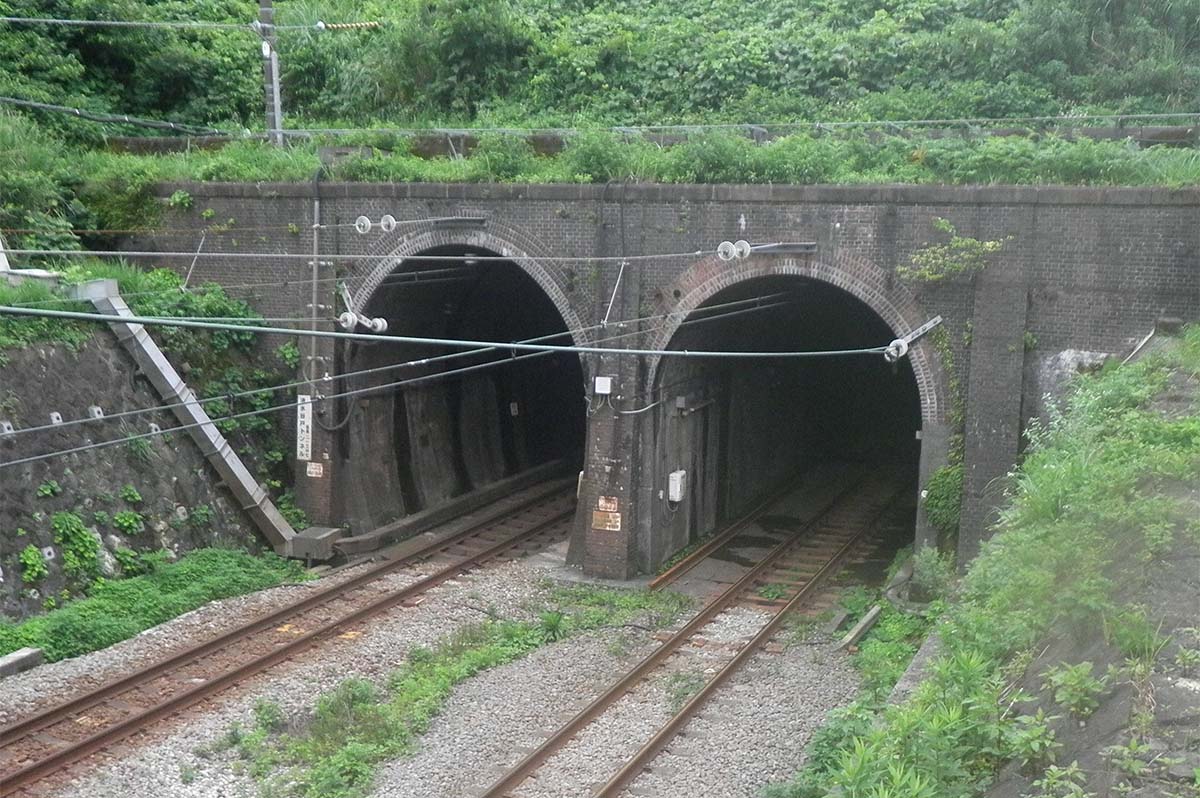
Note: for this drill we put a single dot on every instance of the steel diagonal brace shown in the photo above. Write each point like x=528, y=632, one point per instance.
x=899, y=347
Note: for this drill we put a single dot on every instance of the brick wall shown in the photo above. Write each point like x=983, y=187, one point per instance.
x=1085, y=269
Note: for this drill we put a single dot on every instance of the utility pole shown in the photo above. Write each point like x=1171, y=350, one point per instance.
x=274, y=106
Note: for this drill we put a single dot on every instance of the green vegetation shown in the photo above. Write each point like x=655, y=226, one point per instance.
x=514, y=63
x=1075, y=688
x=33, y=565
x=80, y=548
x=681, y=686
x=498, y=62
x=128, y=522
x=1093, y=479
x=118, y=609
x=218, y=360
x=943, y=499
x=49, y=489
x=961, y=256
x=102, y=191
x=334, y=752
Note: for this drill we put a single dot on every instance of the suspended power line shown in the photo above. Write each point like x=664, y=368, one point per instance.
x=398, y=278
x=290, y=405
x=97, y=116
x=756, y=301
x=307, y=259
x=254, y=26
x=457, y=343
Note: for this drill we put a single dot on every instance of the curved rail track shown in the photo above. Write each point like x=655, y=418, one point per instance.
x=799, y=565
x=38, y=745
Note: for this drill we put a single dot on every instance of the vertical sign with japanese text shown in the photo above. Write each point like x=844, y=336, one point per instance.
x=304, y=421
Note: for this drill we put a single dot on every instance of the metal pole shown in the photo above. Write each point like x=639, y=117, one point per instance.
x=272, y=101
x=277, y=102
x=316, y=273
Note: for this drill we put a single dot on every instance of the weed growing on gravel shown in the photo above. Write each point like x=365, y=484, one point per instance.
x=336, y=749
x=590, y=607
x=118, y=609
x=681, y=686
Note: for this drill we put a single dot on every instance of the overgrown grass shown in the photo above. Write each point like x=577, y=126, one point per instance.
x=600, y=156
x=334, y=751
x=1088, y=498
x=119, y=609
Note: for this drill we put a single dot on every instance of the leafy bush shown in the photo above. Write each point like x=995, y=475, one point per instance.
x=961, y=256
x=80, y=548
x=943, y=499
x=128, y=522
x=1075, y=688
x=48, y=489
x=33, y=565
x=933, y=574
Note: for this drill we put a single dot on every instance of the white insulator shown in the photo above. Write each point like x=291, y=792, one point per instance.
x=362, y=224
x=348, y=320
x=895, y=350
x=377, y=325
x=726, y=250
x=741, y=249
x=388, y=223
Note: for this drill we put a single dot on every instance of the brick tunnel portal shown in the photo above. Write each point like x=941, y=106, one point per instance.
x=744, y=429
x=465, y=422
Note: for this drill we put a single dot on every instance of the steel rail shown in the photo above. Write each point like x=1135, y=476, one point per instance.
x=638, y=763
x=520, y=772
x=33, y=723
x=15, y=780
x=718, y=540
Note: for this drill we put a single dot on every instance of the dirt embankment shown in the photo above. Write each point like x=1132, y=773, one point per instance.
x=1142, y=738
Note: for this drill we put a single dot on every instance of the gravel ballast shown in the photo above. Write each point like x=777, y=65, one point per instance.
x=753, y=733
x=170, y=766
x=754, y=730
x=25, y=693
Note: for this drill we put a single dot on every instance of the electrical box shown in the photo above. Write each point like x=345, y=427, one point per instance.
x=603, y=386
x=676, y=485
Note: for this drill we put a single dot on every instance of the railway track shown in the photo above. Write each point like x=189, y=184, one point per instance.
x=43, y=743
x=798, y=565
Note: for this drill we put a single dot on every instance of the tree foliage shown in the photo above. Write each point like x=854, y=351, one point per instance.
x=616, y=61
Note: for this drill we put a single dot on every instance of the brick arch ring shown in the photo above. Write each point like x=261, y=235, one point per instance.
x=897, y=307
x=413, y=244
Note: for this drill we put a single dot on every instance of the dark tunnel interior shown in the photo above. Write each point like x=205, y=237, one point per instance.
x=414, y=446
x=744, y=428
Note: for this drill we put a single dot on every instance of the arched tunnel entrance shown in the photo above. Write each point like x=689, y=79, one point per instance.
x=463, y=422
x=744, y=429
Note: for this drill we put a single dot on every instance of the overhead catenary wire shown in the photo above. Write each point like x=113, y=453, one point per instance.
x=460, y=343
x=287, y=406
x=296, y=256
x=405, y=364
x=213, y=229
x=409, y=278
